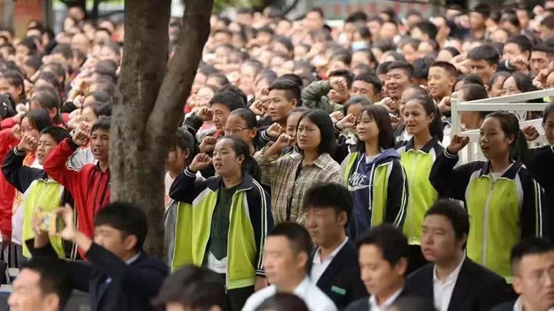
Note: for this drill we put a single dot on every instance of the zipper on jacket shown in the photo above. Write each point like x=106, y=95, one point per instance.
x=485, y=223
x=411, y=202
x=370, y=189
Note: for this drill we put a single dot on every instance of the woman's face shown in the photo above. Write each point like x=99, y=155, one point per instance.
x=416, y=118
x=203, y=97
x=225, y=160
x=493, y=140
x=497, y=87
x=292, y=124
x=549, y=128
x=7, y=88
x=88, y=116
x=308, y=135
x=45, y=145
x=510, y=87
x=28, y=129
x=367, y=128
x=236, y=126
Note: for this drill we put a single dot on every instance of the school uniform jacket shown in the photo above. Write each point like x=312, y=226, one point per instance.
x=418, y=166
x=38, y=191
x=341, y=280
x=112, y=284
x=541, y=167
x=89, y=185
x=7, y=191
x=249, y=222
x=502, y=212
x=476, y=289
x=379, y=189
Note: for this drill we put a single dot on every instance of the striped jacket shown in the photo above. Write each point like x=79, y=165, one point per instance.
x=250, y=221
x=502, y=212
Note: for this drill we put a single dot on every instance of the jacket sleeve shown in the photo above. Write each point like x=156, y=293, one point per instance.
x=55, y=166
x=193, y=124
x=533, y=213
x=541, y=166
x=268, y=165
x=142, y=281
x=185, y=188
x=449, y=181
x=7, y=140
x=262, y=222
x=397, y=195
x=315, y=96
x=16, y=174
x=8, y=123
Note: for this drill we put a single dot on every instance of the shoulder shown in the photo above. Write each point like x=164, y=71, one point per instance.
x=508, y=306
x=318, y=297
x=360, y=304
x=258, y=298
x=481, y=273
x=421, y=273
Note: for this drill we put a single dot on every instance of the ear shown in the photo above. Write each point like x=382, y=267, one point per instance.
x=253, y=132
x=241, y=158
x=516, y=284
x=186, y=153
x=495, y=67
x=401, y=266
x=130, y=242
x=430, y=118
x=294, y=102
x=302, y=259
x=452, y=82
x=342, y=218
x=52, y=301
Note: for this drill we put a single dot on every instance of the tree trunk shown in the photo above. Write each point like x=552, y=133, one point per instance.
x=7, y=7
x=153, y=94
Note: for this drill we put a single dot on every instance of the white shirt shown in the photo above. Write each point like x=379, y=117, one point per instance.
x=319, y=267
x=374, y=306
x=314, y=298
x=518, y=306
x=442, y=290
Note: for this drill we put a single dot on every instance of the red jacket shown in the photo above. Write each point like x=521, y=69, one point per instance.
x=89, y=186
x=7, y=191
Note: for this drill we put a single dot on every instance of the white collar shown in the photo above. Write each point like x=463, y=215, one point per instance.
x=386, y=304
x=133, y=259
x=302, y=289
x=453, y=275
x=518, y=306
x=317, y=258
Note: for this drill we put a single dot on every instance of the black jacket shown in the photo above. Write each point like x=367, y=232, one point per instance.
x=363, y=304
x=341, y=280
x=111, y=283
x=508, y=306
x=477, y=288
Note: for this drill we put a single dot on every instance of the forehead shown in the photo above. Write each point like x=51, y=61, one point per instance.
x=220, y=107
x=437, y=71
x=539, y=54
x=491, y=123
x=47, y=137
x=224, y=144
x=101, y=132
x=278, y=243
x=537, y=261
x=510, y=81
x=396, y=71
x=235, y=119
x=27, y=277
x=511, y=46
x=370, y=253
x=438, y=221
x=361, y=84
x=277, y=93
x=306, y=122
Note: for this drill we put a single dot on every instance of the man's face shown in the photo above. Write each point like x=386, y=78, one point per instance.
x=378, y=274
x=28, y=296
x=546, y=33
x=81, y=42
x=438, y=239
x=511, y=51
x=220, y=114
x=45, y=145
x=280, y=260
x=477, y=20
x=176, y=159
x=324, y=225
x=362, y=88
x=534, y=280
x=388, y=31
x=440, y=83
x=313, y=21
x=100, y=144
x=396, y=81
x=539, y=61
x=114, y=240
x=483, y=69
x=279, y=106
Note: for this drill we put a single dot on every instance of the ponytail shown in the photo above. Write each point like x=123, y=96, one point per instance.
x=435, y=127
x=519, y=150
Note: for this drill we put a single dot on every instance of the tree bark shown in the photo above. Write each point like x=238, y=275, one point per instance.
x=7, y=7
x=153, y=93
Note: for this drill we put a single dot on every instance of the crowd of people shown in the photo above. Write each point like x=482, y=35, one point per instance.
x=314, y=167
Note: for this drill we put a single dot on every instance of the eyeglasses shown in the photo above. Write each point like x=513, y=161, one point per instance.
x=234, y=130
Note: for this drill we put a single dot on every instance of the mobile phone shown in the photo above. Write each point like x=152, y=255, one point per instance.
x=50, y=222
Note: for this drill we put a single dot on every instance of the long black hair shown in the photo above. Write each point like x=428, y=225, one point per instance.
x=249, y=165
x=38, y=119
x=380, y=116
x=251, y=123
x=436, y=127
x=519, y=150
x=322, y=120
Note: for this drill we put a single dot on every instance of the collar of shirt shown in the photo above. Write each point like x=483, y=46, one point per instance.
x=317, y=258
x=384, y=306
x=302, y=289
x=453, y=275
x=518, y=306
x=133, y=259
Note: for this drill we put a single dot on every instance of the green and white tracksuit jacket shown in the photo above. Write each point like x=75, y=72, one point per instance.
x=418, y=166
x=501, y=211
x=250, y=221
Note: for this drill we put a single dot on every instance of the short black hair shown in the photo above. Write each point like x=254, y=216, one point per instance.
x=456, y=214
x=329, y=195
x=485, y=52
x=197, y=288
x=548, y=22
x=446, y=66
x=322, y=120
x=382, y=68
x=428, y=28
x=292, y=89
x=528, y=246
x=371, y=79
x=421, y=68
x=64, y=50
x=231, y=99
x=54, y=277
x=184, y=140
x=524, y=44
x=223, y=80
x=292, y=77
x=391, y=241
x=56, y=132
x=346, y=74
x=103, y=123
x=296, y=234
x=484, y=10
x=355, y=100
x=404, y=66
x=125, y=217
x=283, y=302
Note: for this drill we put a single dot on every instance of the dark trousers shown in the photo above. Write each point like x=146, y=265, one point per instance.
x=415, y=259
x=236, y=298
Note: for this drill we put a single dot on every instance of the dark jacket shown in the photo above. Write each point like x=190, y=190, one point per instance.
x=477, y=288
x=363, y=303
x=111, y=283
x=341, y=280
x=508, y=306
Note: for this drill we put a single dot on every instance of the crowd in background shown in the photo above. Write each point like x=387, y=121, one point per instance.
x=311, y=160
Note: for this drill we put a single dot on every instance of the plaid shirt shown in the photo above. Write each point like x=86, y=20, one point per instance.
x=289, y=183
